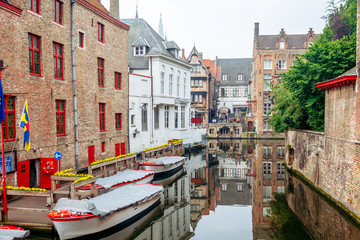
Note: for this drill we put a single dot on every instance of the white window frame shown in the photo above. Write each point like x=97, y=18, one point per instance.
x=282, y=45
x=267, y=64
x=267, y=81
x=166, y=116
x=281, y=64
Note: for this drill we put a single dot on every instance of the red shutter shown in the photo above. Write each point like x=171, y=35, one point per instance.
x=117, y=149
x=123, y=149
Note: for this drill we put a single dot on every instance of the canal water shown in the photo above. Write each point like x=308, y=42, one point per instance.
x=226, y=192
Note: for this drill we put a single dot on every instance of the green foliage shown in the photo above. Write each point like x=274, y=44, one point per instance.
x=283, y=224
x=298, y=104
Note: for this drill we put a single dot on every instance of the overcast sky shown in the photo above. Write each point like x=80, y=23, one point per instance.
x=225, y=28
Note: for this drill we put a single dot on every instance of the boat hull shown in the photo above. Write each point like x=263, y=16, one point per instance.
x=96, y=228
x=162, y=171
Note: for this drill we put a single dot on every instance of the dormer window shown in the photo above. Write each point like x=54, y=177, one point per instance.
x=139, y=51
x=240, y=77
x=282, y=45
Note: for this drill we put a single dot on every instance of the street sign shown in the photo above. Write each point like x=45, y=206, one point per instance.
x=58, y=155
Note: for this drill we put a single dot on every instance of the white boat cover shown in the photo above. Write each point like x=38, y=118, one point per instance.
x=111, y=202
x=166, y=160
x=13, y=234
x=128, y=175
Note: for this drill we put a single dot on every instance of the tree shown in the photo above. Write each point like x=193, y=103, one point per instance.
x=297, y=103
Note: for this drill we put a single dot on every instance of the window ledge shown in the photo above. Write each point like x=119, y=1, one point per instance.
x=34, y=13
x=58, y=24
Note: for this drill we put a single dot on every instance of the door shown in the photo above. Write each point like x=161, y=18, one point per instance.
x=117, y=149
x=123, y=149
x=23, y=173
x=48, y=166
x=250, y=126
x=91, y=154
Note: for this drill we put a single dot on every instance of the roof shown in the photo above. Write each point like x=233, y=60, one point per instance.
x=348, y=77
x=139, y=28
x=140, y=42
x=195, y=52
x=97, y=4
x=234, y=66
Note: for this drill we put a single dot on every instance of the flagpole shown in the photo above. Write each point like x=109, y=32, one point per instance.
x=3, y=167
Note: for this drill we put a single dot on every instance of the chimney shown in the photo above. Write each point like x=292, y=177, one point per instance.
x=201, y=55
x=256, y=30
x=114, y=9
x=183, y=53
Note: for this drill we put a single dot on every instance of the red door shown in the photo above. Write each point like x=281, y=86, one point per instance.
x=23, y=173
x=250, y=126
x=122, y=148
x=91, y=154
x=117, y=149
x=48, y=166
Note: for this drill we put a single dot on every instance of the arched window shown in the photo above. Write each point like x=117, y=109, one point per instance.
x=171, y=75
x=162, y=77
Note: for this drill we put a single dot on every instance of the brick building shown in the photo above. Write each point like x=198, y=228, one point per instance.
x=36, y=42
x=272, y=55
x=200, y=87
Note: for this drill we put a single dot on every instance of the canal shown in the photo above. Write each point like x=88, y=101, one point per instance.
x=227, y=192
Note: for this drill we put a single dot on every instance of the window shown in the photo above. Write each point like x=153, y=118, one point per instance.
x=101, y=29
x=224, y=92
x=184, y=94
x=118, y=118
x=281, y=151
x=196, y=98
x=196, y=83
x=267, y=106
x=240, y=77
x=178, y=86
x=224, y=187
x=192, y=82
x=34, y=55
x=267, y=126
x=170, y=84
x=139, y=51
x=101, y=72
x=200, y=83
x=118, y=81
x=266, y=212
x=266, y=194
x=236, y=92
x=132, y=120
x=267, y=151
x=176, y=116
x=60, y=118
x=58, y=11
x=267, y=64
x=182, y=117
x=81, y=39
x=102, y=116
x=280, y=171
x=224, y=77
x=281, y=189
x=162, y=82
x=282, y=64
x=166, y=117
x=267, y=81
x=156, y=118
x=34, y=6
x=144, y=126
x=9, y=121
x=245, y=92
x=239, y=187
x=282, y=45
x=195, y=68
x=58, y=61
x=266, y=170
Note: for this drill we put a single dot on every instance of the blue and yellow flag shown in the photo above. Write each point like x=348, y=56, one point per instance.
x=2, y=104
x=24, y=123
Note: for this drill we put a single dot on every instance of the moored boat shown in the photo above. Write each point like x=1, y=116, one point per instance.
x=164, y=166
x=105, y=214
x=121, y=179
x=13, y=232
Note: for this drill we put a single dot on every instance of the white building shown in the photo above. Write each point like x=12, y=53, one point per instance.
x=159, y=89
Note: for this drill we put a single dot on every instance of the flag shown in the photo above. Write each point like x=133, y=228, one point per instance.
x=2, y=104
x=24, y=123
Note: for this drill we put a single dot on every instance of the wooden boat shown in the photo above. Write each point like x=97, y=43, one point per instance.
x=105, y=214
x=121, y=179
x=164, y=166
x=12, y=232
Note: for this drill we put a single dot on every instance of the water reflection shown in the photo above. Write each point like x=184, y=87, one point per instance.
x=224, y=192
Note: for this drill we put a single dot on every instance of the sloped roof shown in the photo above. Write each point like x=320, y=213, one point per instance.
x=233, y=66
x=140, y=28
x=348, y=77
x=293, y=41
x=140, y=42
x=170, y=45
x=97, y=4
x=195, y=52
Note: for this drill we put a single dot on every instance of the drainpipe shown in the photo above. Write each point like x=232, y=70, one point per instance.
x=74, y=88
x=151, y=104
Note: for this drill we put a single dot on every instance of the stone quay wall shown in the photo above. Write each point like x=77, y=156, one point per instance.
x=330, y=164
